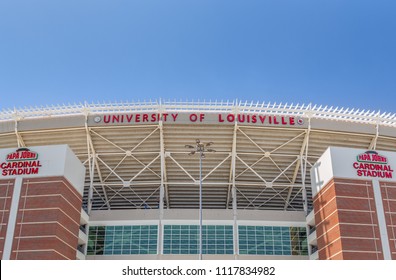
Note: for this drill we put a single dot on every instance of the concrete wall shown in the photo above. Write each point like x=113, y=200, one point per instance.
x=188, y=216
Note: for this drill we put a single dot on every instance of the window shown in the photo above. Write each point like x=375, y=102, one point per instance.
x=184, y=239
x=96, y=238
x=272, y=240
x=299, y=241
x=123, y=240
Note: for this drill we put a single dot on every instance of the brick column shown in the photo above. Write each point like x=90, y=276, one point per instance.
x=6, y=191
x=347, y=224
x=48, y=220
x=388, y=192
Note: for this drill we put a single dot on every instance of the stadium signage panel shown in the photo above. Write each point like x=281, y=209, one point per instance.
x=372, y=164
x=20, y=162
x=349, y=163
x=42, y=161
x=202, y=118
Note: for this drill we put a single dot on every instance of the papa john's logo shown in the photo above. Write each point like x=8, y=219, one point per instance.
x=22, y=154
x=21, y=162
x=372, y=164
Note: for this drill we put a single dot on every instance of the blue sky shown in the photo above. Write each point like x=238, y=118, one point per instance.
x=331, y=52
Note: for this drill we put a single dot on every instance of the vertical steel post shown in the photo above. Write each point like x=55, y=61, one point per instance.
x=200, y=204
x=200, y=149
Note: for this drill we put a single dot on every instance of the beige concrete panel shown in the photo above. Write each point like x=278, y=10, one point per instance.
x=387, y=131
x=190, y=216
x=343, y=126
x=7, y=126
x=51, y=123
x=101, y=217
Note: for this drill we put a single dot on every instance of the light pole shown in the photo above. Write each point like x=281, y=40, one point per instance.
x=200, y=149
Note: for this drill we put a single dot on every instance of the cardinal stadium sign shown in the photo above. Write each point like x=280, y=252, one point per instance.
x=21, y=162
x=372, y=164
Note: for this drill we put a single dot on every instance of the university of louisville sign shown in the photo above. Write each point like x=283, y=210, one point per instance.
x=20, y=162
x=197, y=118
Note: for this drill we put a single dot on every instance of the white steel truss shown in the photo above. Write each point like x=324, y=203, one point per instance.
x=146, y=166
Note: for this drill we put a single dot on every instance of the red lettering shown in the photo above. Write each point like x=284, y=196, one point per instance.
x=193, y=117
x=116, y=118
x=174, y=116
x=145, y=118
x=292, y=121
x=262, y=118
x=129, y=118
x=221, y=118
x=137, y=117
x=230, y=118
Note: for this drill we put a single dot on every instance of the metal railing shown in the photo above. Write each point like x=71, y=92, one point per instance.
x=234, y=106
x=81, y=248
x=83, y=228
x=311, y=230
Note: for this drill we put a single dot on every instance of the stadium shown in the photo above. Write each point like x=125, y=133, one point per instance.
x=197, y=180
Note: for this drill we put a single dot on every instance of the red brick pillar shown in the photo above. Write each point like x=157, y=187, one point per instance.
x=6, y=191
x=388, y=191
x=48, y=220
x=347, y=223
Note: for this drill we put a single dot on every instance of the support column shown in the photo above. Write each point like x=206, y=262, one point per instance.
x=346, y=221
x=234, y=192
x=48, y=220
x=162, y=191
x=388, y=192
x=6, y=193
